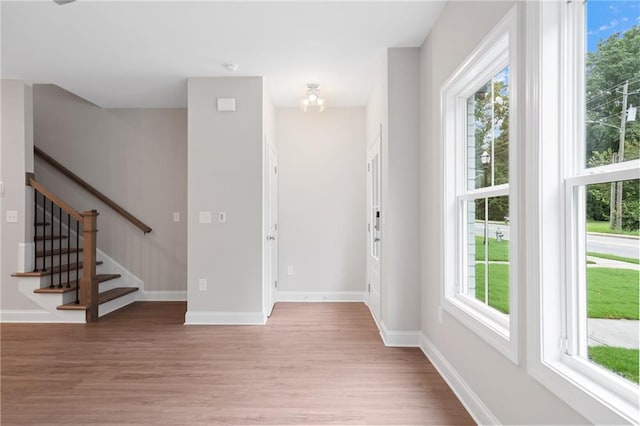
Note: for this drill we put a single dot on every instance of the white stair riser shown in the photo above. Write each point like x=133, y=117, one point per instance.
x=116, y=304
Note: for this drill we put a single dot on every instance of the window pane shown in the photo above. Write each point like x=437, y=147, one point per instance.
x=612, y=82
x=488, y=133
x=613, y=278
x=488, y=251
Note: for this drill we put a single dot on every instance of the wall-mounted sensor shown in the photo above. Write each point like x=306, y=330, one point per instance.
x=226, y=104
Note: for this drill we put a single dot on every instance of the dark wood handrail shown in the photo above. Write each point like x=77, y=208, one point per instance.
x=57, y=201
x=87, y=187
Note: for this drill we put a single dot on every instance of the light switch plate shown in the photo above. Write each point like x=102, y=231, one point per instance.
x=205, y=217
x=176, y=216
x=202, y=284
x=289, y=270
x=222, y=217
x=12, y=216
x=227, y=104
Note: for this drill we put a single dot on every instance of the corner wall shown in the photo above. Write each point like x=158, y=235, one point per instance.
x=225, y=156
x=492, y=387
x=16, y=159
x=322, y=204
x=394, y=105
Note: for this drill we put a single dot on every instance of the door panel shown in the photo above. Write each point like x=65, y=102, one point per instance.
x=374, y=225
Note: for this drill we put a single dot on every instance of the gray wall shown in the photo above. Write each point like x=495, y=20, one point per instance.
x=394, y=103
x=16, y=159
x=506, y=389
x=322, y=203
x=137, y=157
x=225, y=175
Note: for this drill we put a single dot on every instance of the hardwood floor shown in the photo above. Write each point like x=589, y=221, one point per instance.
x=313, y=363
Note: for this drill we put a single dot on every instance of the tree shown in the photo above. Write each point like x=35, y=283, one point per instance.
x=616, y=61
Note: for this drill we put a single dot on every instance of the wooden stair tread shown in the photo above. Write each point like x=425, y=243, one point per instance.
x=114, y=293
x=100, y=277
x=52, y=271
x=50, y=237
x=57, y=252
x=104, y=297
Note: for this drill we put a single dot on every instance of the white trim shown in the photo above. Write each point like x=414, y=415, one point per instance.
x=160, y=296
x=115, y=304
x=500, y=48
x=127, y=278
x=321, y=296
x=25, y=257
x=474, y=405
x=224, y=318
x=399, y=339
x=41, y=316
x=551, y=93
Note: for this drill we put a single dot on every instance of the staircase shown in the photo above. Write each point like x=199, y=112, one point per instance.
x=68, y=278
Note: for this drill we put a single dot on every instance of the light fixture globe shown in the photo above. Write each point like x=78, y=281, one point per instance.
x=312, y=99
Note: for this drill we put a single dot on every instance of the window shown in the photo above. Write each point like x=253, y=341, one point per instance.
x=583, y=287
x=480, y=197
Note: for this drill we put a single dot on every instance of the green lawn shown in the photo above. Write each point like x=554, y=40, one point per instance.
x=604, y=228
x=614, y=257
x=619, y=360
x=498, y=251
x=612, y=293
x=498, y=285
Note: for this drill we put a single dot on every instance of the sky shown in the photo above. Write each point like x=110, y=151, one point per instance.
x=609, y=17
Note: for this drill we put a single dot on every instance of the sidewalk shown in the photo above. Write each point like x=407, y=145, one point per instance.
x=608, y=263
x=611, y=332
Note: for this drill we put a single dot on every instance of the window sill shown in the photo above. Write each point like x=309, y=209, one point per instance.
x=492, y=326
x=591, y=399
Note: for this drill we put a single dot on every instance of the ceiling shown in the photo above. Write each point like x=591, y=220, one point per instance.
x=140, y=54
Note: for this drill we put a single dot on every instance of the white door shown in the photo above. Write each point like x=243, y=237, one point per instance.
x=374, y=223
x=272, y=227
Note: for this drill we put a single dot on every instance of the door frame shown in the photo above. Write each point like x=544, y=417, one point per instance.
x=270, y=226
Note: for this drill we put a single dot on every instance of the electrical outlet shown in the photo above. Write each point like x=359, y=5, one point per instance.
x=202, y=284
x=289, y=270
x=12, y=216
x=176, y=216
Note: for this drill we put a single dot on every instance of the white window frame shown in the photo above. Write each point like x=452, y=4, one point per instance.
x=498, y=49
x=555, y=244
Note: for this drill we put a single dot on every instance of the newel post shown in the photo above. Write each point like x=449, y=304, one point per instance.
x=89, y=284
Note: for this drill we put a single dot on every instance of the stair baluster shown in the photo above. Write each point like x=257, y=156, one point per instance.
x=35, y=231
x=51, y=245
x=59, y=247
x=77, y=261
x=69, y=249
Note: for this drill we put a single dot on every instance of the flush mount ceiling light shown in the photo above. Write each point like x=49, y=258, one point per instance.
x=231, y=67
x=63, y=2
x=312, y=100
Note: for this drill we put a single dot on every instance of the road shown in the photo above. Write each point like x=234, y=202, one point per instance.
x=606, y=244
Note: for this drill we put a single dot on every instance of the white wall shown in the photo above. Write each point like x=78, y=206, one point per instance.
x=225, y=175
x=322, y=203
x=394, y=104
x=505, y=389
x=16, y=159
x=136, y=157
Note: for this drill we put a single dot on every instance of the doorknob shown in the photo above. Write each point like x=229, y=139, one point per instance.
x=270, y=238
x=375, y=240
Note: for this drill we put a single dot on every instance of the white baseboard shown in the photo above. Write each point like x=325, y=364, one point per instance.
x=38, y=316
x=161, y=296
x=474, y=405
x=399, y=339
x=393, y=338
x=321, y=296
x=224, y=318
